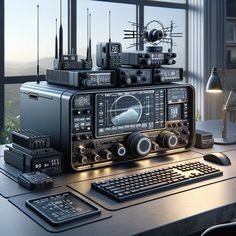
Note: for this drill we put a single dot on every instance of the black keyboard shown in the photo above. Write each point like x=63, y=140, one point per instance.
x=155, y=180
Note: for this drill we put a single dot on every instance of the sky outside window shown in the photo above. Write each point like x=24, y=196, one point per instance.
x=21, y=34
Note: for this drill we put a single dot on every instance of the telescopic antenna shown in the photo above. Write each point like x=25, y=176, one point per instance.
x=60, y=35
x=37, y=76
x=56, y=43
x=89, y=46
x=109, y=26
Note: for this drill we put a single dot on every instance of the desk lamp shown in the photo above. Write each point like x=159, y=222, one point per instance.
x=214, y=86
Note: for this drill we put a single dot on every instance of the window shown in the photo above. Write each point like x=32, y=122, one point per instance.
x=12, y=110
x=173, y=1
x=120, y=15
x=21, y=35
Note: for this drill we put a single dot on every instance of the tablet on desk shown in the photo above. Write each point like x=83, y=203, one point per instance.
x=62, y=208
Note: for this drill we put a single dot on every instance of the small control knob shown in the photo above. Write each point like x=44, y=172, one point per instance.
x=95, y=157
x=144, y=79
x=185, y=131
x=81, y=149
x=87, y=111
x=171, y=61
x=167, y=139
x=139, y=144
x=139, y=72
x=183, y=141
x=86, y=82
x=119, y=149
x=82, y=159
x=85, y=136
x=76, y=137
x=126, y=79
x=106, y=154
x=135, y=79
x=155, y=146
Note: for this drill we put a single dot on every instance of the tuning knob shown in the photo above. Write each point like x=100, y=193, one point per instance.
x=126, y=79
x=185, y=131
x=82, y=159
x=135, y=79
x=86, y=82
x=183, y=141
x=81, y=149
x=139, y=144
x=167, y=139
x=106, y=154
x=119, y=149
x=94, y=156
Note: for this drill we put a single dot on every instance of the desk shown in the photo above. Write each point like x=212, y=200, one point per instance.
x=184, y=211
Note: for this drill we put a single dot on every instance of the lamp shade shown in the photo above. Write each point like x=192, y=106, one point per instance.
x=214, y=83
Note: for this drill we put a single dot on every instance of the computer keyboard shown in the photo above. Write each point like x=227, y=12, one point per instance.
x=155, y=180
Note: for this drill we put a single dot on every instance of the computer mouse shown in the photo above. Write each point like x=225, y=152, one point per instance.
x=217, y=158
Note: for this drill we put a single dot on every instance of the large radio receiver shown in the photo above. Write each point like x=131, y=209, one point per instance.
x=100, y=127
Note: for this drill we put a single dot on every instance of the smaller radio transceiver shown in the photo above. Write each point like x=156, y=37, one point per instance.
x=48, y=162
x=143, y=59
x=30, y=139
x=167, y=75
x=31, y=151
x=133, y=77
x=70, y=61
x=82, y=79
x=204, y=139
x=108, y=54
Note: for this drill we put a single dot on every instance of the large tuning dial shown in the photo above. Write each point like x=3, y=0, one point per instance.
x=139, y=144
x=167, y=139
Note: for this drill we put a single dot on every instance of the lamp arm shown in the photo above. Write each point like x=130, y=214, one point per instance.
x=225, y=107
x=228, y=99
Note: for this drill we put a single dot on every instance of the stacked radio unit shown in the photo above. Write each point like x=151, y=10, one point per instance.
x=126, y=109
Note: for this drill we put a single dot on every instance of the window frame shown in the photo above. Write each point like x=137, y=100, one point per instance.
x=72, y=39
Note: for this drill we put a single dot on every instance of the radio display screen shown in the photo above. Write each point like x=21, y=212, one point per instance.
x=175, y=112
x=115, y=48
x=124, y=112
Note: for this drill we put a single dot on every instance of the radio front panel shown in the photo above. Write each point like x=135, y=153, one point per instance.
x=125, y=125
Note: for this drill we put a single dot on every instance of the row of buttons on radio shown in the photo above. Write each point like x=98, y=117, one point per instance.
x=115, y=60
x=159, y=109
x=185, y=110
x=178, y=124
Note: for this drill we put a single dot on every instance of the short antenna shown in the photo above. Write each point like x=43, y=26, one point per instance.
x=56, y=43
x=109, y=26
x=60, y=35
x=37, y=76
x=89, y=46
